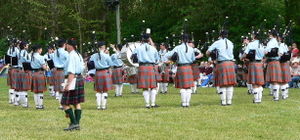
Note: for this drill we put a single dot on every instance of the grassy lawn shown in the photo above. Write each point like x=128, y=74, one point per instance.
x=126, y=118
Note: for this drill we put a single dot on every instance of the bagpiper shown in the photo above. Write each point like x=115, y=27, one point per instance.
x=117, y=71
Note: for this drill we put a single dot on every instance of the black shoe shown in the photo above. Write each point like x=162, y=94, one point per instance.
x=155, y=106
x=148, y=107
x=72, y=127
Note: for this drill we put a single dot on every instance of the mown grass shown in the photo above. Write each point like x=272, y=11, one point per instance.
x=126, y=118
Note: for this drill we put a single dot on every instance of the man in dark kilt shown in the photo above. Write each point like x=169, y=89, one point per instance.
x=195, y=66
x=184, y=79
x=103, y=78
x=285, y=67
x=225, y=76
x=117, y=71
x=39, y=84
x=254, y=53
x=273, y=72
x=164, y=68
x=59, y=59
x=73, y=86
x=24, y=78
x=147, y=56
x=12, y=52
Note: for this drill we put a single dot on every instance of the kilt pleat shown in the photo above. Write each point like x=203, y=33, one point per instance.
x=225, y=74
x=103, y=81
x=117, y=76
x=166, y=75
x=50, y=79
x=146, y=77
x=39, y=84
x=256, y=73
x=132, y=79
x=184, y=77
x=196, y=71
x=58, y=79
x=76, y=96
x=157, y=74
x=286, y=73
x=13, y=78
x=273, y=72
x=25, y=80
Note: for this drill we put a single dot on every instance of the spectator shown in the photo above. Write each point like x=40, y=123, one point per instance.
x=295, y=50
x=295, y=72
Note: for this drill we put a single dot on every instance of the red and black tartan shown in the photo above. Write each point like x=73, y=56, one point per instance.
x=39, y=84
x=286, y=73
x=74, y=97
x=273, y=72
x=256, y=73
x=166, y=75
x=50, y=80
x=18, y=83
x=146, y=77
x=12, y=78
x=225, y=74
x=58, y=79
x=117, y=76
x=196, y=71
x=157, y=74
x=184, y=77
x=103, y=81
x=25, y=80
x=132, y=79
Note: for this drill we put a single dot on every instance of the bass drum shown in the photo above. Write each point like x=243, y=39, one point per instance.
x=126, y=53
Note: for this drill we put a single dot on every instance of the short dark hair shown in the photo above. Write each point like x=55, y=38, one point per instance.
x=61, y=42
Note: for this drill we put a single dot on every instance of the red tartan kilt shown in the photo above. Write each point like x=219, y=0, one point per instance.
x=39, y=84
x=103, y=81
x=146, y=77
x=225, y=74
x=274, y=73
x=9, y=77
x=117, y=76
x=157, y=74
x=184, y=77
x=256, y=73
x=132, y=79
x=18, y=79
x=13, y=78
x=166, y=75
x=25, y=80
x=196, y=71
x=58, y=79
x=286, y=73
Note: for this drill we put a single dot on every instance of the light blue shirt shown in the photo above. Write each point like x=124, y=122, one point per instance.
x=225, y=53
x=283, y=47
x=60, y=61
x=103, y=62
x=116, y=60
x=273, y=43
x=23, y=57
x=162, y=56
x=48, y=56
x=259, y=49
x=184, y=57
x=146, y=56
x=37, y=61
x=74, y=64
x=11, y=53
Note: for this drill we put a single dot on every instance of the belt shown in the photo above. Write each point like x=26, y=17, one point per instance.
x=37, y=70
x=256, y=61
x=271, y=60
x=224, y=61
x=102, y=69
x=117, y=67
x=59, y=68
x=146, y=64
x=185, y=64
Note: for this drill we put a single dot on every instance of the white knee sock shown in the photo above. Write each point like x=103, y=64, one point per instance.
x=117, y=90
x=188, y=96
x=161, y=88
x=35, y=96
x=11, y=96
x=40, y=99
x=17, y=98
x=133, y=88
x=284, y=91
x=271, y=89
x=260, y=92
x=57, y=94
x=146, y=94
x=229, y=95
x=104, y=100
x=276, y=92
x=183, y=97
x=222, y=91
x=120, y=89
x=98, y=99
x=256, y=95
x=166, y=87
x=24, y=99
x=287, y=90
x=194, y=89
x=249, y=87
x=153, y=97
x=51, y=90
x=158, y=85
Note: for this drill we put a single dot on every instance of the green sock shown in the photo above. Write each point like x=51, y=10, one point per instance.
x=78, y=115
x=70, y=113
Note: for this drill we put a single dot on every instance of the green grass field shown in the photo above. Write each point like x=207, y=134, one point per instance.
x=126, y=118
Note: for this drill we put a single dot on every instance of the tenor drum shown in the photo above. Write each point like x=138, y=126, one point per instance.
x=126, y=53
x=130, y=71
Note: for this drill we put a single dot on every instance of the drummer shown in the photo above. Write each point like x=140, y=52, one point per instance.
x=164, y=68
x=117, y=71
